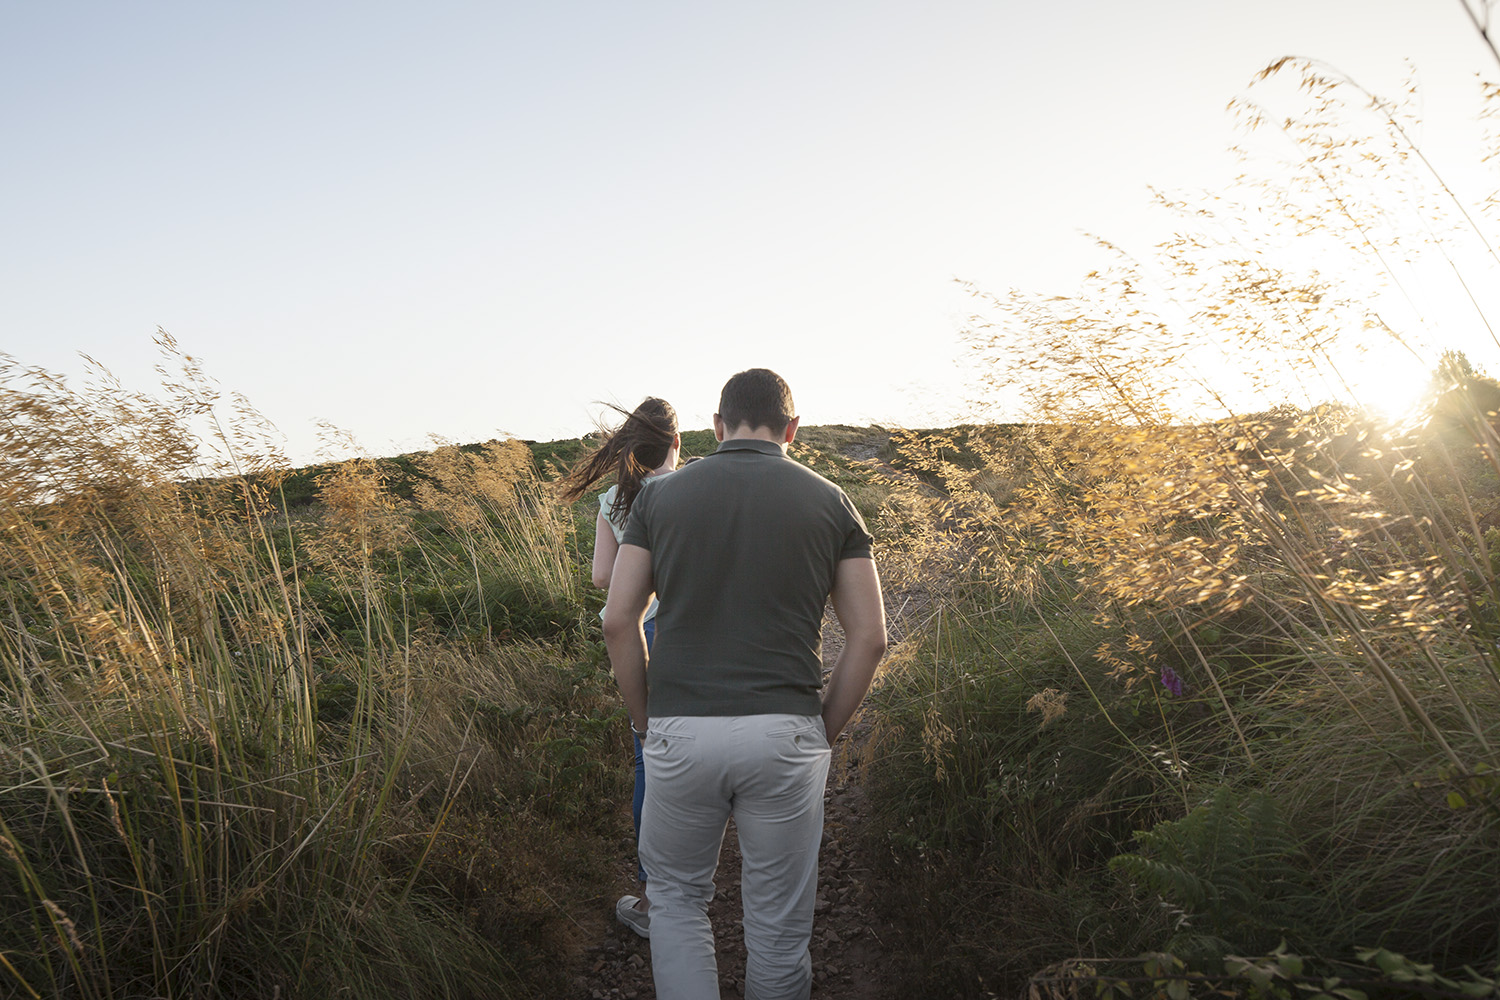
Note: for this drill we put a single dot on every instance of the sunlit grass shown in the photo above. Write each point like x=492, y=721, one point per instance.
x=1210, y=591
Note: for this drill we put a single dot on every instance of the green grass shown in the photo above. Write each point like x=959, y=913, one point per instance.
x=252, y=748
x=1325, y=778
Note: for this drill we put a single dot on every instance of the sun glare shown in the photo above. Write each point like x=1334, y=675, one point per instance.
x=1389, y=388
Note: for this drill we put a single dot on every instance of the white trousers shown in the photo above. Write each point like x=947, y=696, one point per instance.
x=768, y=772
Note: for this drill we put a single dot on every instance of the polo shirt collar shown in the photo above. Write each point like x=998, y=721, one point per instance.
x=751, y=444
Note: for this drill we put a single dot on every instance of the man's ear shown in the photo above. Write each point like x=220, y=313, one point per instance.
x=718, y=427
x=791, y=429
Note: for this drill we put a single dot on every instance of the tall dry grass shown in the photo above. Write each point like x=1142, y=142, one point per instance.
x=1223, y=603
x=236, y=756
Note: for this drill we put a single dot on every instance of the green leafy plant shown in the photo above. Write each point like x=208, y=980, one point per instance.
x=1231, y=870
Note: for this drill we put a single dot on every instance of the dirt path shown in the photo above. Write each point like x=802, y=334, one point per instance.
x=851, y=949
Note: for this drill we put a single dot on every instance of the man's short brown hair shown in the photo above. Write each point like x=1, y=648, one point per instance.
x=757, y=397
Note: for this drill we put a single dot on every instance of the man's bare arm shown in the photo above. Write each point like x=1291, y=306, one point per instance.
x=630, y=589
x=857, y=602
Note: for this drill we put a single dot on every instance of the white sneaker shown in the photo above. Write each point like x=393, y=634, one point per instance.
x=636, y=920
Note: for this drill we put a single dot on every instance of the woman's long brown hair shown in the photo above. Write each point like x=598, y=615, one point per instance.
x=631, y=452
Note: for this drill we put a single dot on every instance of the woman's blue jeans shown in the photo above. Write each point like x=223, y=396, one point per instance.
x=640, y=771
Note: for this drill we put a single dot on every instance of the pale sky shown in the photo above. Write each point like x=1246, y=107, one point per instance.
x=473, y=219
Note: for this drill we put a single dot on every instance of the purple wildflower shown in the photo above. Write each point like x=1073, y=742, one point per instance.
x=1171, y=682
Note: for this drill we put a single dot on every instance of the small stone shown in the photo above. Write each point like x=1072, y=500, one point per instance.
x=635, y=961
x=820, y=904
x=832, y=937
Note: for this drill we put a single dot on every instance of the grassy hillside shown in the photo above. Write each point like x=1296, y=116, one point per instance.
x=1171, y=700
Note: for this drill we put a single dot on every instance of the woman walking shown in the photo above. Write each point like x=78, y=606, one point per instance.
x=645, y=445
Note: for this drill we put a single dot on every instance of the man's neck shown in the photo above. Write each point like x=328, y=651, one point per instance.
x=758, y=434
x=744, y=432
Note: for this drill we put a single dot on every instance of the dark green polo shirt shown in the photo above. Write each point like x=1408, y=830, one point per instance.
x=744, y=546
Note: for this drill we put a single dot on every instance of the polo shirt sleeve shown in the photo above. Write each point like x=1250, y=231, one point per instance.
x=857, y=538
x=636, y=530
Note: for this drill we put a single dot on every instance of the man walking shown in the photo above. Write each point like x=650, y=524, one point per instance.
x=743, y=549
